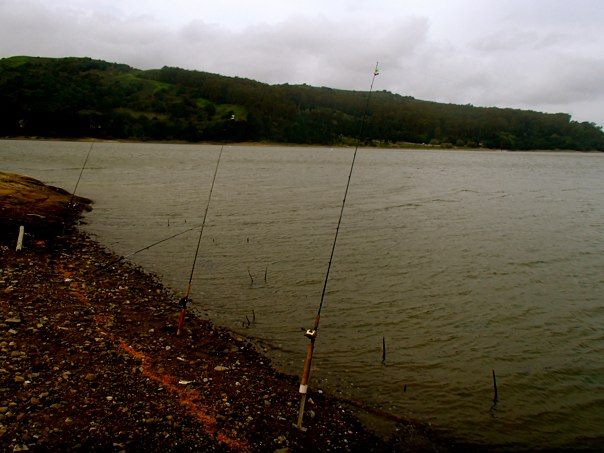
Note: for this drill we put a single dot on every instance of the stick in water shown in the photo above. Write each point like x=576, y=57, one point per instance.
x=20, y=238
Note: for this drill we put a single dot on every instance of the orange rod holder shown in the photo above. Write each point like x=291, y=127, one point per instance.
x=312, y=334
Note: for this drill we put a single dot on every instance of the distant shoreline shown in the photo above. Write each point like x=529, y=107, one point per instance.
x=394, y=147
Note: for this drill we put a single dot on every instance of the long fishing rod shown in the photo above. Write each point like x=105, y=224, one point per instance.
x=70, y=205
x=311, y=334
x=185, y=299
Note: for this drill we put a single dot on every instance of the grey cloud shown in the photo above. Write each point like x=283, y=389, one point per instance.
x=313, y=50
x=515, y=63
x=512, y=40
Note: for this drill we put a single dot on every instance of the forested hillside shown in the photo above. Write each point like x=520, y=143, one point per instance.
x=81, y=97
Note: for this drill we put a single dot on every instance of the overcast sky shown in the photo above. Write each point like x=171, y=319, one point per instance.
x=545, y=55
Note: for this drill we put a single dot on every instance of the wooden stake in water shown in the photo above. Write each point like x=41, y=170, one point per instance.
x=383, y=350
x=20, y=238
x=495, y=397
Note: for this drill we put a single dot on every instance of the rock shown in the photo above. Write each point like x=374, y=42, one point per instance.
x=20, y=448
x=12, y=321
x=280, y=439
x=220, y=368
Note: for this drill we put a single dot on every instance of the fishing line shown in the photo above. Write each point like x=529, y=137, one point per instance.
x=311, y=334
x=117, y=260
x=185, y=299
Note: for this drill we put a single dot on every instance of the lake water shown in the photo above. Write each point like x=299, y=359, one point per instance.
x=465, y=262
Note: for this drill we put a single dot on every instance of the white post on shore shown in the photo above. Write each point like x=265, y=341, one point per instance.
x=20, y=238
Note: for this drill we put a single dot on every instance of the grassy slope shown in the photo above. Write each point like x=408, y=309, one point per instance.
x=172, y=103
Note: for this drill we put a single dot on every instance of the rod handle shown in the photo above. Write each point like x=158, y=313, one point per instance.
x=307, y=362
x=304, y=380
x=181, y=320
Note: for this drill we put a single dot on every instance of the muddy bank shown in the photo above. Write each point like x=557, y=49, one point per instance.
x=44, y=211
x=89, y=360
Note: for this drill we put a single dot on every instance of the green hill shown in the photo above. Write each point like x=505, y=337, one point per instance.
x=81, y=97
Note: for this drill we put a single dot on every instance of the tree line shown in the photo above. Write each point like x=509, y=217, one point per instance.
x=82, y=97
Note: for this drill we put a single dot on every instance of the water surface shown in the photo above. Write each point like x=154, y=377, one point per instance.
x=466, y=262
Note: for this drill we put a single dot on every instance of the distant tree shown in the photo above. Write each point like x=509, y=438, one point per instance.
x=79, y=97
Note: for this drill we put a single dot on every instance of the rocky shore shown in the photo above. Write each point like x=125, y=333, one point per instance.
x=89, y=358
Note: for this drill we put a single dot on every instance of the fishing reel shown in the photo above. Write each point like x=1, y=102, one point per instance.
x=311, y=334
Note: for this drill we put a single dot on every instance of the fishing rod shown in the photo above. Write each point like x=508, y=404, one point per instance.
x=311, y=334
x=81, y=173
x=70, y=204
x=185, y=299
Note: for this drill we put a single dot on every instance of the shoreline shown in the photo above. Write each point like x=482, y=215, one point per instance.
x=91, y=361
x=414, y=146
x=394, y=147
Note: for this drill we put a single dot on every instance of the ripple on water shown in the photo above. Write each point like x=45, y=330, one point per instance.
x=464, y=262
